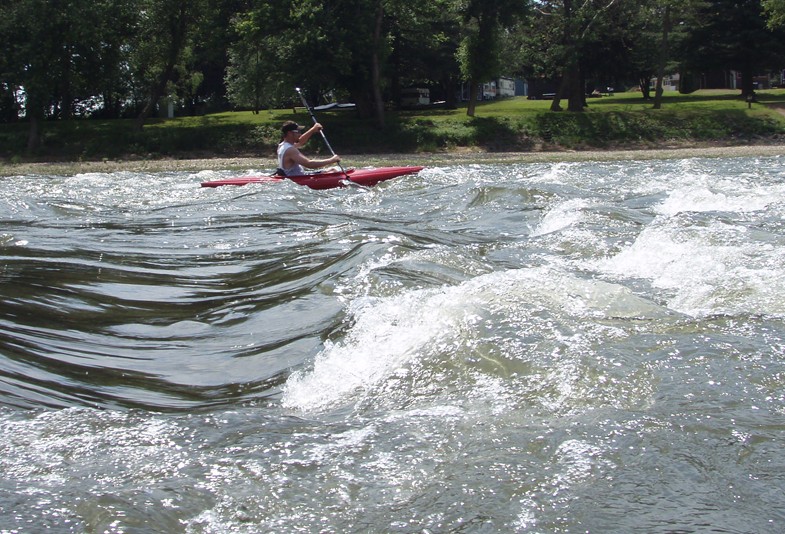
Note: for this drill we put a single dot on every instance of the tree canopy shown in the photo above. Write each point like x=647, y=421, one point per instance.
x=120, y=58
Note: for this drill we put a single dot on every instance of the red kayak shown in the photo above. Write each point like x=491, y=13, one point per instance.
x=325, y=180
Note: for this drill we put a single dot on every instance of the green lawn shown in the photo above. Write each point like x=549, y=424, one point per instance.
x=618, y=121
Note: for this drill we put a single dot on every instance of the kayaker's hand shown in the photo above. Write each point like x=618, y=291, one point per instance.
x=336, y=158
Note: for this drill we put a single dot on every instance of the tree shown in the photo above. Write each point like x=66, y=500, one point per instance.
x=562, y=36
x=362, y=54
x=254, y=77
x=161, y=43
x=478, y=54
x=54, y=53
x=733, y=35
x=424, y=37
x=290, y=44
x=408, y=46
x=387, y=42
x=608, y=54
x=110, y=73
x=675, y=18
x=775, y=11
x=643, y=64
x=214, y=36
x=9, y=77
x=667, y=26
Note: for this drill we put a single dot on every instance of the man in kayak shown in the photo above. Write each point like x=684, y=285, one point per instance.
x=291, y=162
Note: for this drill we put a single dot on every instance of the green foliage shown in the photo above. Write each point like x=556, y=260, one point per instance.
x=625, y=120
x=479, y=53
x=775, y=11
x=108, y=58
x=161, y=51
x=732, y=34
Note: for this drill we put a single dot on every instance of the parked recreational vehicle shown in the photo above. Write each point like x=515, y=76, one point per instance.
x=415, y=96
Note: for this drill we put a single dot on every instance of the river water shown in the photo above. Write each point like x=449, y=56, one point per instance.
x=541, y=347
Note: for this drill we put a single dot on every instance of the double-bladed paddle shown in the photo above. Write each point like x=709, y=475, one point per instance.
x=321, y=131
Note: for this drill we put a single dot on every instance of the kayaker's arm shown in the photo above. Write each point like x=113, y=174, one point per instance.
x=307, y=135
x=297, y=157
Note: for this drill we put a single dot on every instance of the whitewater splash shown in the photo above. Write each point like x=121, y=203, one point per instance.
x=707, y=259
x=391, y=336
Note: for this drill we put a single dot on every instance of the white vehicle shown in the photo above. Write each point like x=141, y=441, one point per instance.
x=415, y=96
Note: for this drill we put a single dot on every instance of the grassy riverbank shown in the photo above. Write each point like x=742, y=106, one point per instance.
x=619, y=122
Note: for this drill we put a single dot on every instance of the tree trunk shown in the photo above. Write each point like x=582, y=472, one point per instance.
x=448, y=84
x=473, y=92
x=156, y=92
x=563, y=85
x=35, y=110
x=177, y=31
x=376, y=69
x=576, y=92
x=747, y=83
x=394, y=78
x=571, y=81
x=570, y=88
x=66, y=92
x=663, y=59
x=362, y=101
x=34, y=135
x=644, y=86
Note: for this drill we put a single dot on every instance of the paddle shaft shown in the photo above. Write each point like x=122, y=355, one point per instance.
x=321, y=131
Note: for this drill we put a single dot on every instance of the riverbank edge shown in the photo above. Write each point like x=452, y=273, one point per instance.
x=244, y=164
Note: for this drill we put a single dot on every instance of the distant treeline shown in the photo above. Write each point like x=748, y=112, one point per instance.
x=123, y=58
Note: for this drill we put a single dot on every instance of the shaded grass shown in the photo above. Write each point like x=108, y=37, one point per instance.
x=622, y=121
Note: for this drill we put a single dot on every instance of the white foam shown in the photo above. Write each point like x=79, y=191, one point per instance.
x=711, y=269
x=390, y=334
x=704, y=199
x=561, y=216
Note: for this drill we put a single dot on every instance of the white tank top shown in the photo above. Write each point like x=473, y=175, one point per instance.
x=295, y=169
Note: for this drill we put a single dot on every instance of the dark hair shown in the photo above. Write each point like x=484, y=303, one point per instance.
x=290, y=126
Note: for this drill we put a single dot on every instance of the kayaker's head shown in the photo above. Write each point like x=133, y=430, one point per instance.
x=290, y=126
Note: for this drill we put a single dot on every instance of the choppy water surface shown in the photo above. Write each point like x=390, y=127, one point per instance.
x=484, y=348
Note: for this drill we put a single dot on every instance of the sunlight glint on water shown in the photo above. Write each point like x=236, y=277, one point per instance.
x=488, y=348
